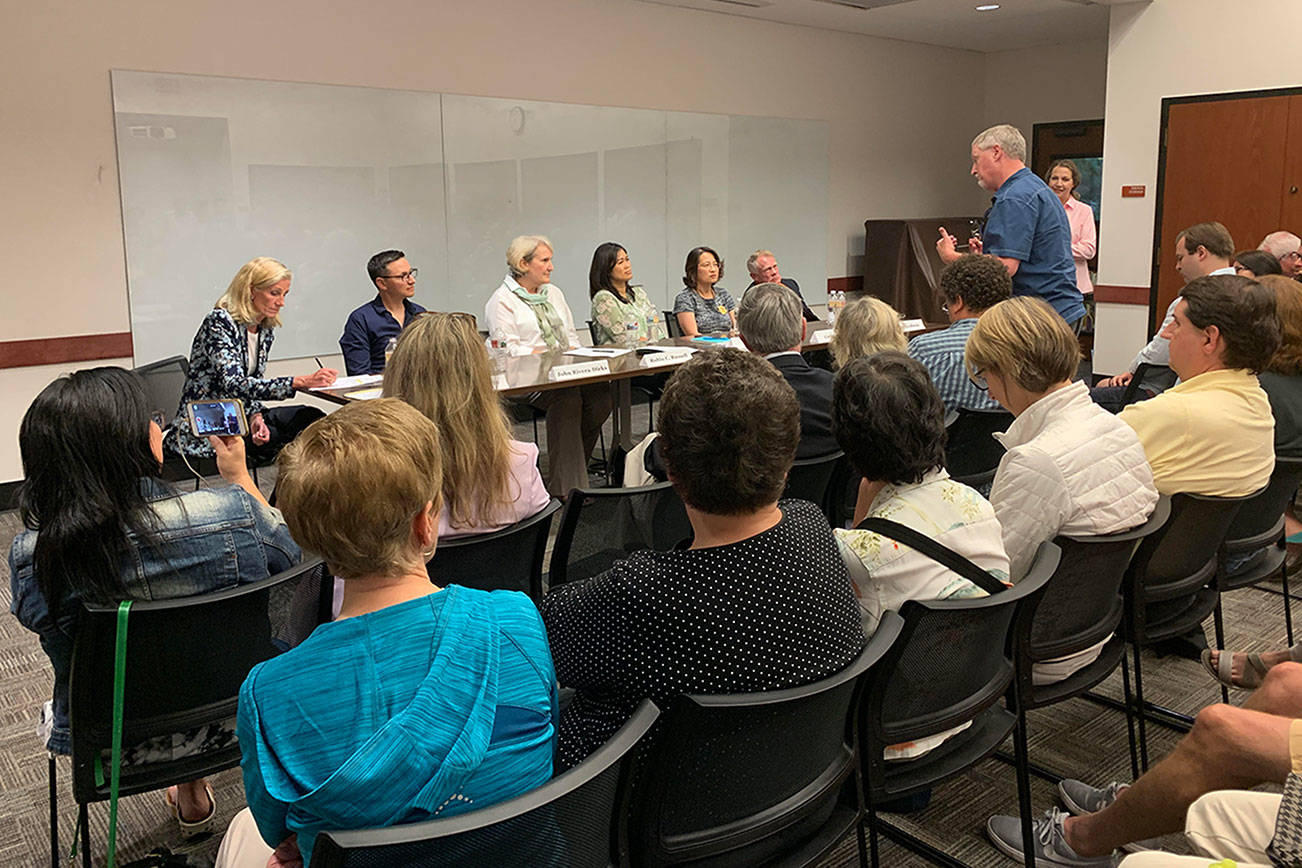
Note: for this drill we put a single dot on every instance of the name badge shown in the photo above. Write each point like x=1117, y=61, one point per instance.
x=660, y=360
x=578, y=370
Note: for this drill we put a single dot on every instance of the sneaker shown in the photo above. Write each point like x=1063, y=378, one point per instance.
x=1051, y=847
x=1080, y=798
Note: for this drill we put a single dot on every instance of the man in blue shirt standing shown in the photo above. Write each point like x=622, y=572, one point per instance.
x=370, y=328
x=1026, y=226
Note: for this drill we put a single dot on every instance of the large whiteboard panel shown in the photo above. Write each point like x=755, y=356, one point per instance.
x=215, y=171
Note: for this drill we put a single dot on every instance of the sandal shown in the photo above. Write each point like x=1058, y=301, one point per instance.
x=1252, y=676
x=198, y=827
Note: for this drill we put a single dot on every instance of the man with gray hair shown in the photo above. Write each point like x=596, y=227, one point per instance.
x=1287, y=248
x=762, y=266
x=1026, y=227
x=772, y=325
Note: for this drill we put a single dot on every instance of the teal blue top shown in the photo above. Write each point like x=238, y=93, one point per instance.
x=429, y=708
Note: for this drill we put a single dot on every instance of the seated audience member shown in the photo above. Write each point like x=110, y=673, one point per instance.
x=762, y=266
x=369, y=329
x=704, y=308
x=102, y=526
x=1284, y=246
x=1070, y=466
x=867, y=325
x=889, y=420
x=1255, y=263
x=760, y=601
x=1202, y=250
x=228, y=359
x=1229, y=748
x=971, y=285
x=490, y=481
x=419, y=701
x=621, y=312
x=528, y=312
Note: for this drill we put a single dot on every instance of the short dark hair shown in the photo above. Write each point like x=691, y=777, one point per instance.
x=888, y=418
x=1242, y=310
x=729, y=425
x=981, y=281
x=1259, y=262
x=1211, y=235
x=377, y=264
x=603, y=261
x=694, y=259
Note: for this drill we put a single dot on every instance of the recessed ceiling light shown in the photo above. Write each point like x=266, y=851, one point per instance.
x=987, y=7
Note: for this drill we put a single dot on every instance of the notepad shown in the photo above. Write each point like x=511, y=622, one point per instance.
x=349, y=382
x=364, y=394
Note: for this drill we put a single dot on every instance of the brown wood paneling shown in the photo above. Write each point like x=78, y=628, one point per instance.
x=56, y=351
x=1064, y=140
x=1121, y=294
x=1290, y=211
x=854, y=283
x=1224, y=161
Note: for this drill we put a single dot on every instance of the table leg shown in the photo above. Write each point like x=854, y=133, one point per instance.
x=622, y=418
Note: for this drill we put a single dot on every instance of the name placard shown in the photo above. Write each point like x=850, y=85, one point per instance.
x=578, y=370
x=660, y=360
x=822, y=336
x=912, y=325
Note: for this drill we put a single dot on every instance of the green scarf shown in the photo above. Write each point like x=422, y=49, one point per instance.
x=549, y=321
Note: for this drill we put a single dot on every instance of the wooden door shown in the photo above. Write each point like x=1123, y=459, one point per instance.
x=1290, y=212
x=1225, y=161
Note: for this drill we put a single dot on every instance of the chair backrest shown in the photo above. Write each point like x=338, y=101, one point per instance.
x=842, y=492
x=164, y=381
x=741, y=777
x=1180, y=557
x=600, y=526
x=568, y=821
x=508, y=559
x=969, y=448
x=952, y=661
x=671, y=324
x=1155, y=375
x=809, y=478
x=1260, y=521
x=185, y=661
x=1082, y=603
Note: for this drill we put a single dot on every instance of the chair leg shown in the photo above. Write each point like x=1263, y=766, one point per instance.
x=874, y=860
x=1219, y=625
x=1288, y=610
x=54, y=815
x=1024, y=787
x=84, y=820
x=1142, y=712
x=1130, y=717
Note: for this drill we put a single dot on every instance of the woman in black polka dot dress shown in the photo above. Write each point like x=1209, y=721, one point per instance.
x=761, y=600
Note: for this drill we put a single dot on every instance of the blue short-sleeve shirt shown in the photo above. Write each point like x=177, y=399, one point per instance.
x=1029, y=224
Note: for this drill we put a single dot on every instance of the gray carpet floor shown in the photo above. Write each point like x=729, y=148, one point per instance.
x=1076, y=738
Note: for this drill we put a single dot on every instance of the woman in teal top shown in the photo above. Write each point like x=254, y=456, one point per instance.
x=621, y=312
x=419, y=701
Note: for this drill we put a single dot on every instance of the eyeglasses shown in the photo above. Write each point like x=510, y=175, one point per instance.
x=1294, y=255
x=406, y=275
x=157, y=417
x=978, y=380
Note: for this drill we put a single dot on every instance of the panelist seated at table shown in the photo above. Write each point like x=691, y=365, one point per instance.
x=703, y=308
x=228, y=359
x=370, y=328
x=529, y=314
x=490, y=481
x=763, y=268
x=621, y=312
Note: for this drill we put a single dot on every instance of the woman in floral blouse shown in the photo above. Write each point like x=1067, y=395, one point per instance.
x=621, y=312
x=229, y=359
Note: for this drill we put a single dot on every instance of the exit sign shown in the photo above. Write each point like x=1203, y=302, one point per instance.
x=1132, y=191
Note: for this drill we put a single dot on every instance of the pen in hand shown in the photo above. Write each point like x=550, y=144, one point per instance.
x=318, y=362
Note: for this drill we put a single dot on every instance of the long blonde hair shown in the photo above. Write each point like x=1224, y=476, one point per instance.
x=867, y=325
x=440, y=367
x=257, y=273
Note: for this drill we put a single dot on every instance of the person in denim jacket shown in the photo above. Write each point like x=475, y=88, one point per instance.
x=102, y=526
x=229, y=359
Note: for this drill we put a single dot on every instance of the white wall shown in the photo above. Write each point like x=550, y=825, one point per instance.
x=1163, y=49
x=1047, y=83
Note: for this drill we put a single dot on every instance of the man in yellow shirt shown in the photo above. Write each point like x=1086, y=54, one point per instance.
x=1213, y=433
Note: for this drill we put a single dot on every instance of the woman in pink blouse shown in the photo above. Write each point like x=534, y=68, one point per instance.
x=1063, y=179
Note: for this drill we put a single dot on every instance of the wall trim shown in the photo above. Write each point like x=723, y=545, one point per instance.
x=55, y=351
x=1136, y=295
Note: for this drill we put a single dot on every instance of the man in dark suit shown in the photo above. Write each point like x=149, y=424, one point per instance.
x=771, y=325
x=763, y=268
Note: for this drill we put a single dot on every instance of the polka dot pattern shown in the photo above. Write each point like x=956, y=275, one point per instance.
x=773, y=611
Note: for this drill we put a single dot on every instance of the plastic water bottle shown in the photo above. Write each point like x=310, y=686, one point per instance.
x=630, y=333
x=497, y=349
x=388, y=350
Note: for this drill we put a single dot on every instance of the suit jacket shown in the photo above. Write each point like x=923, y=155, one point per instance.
x=814, y=392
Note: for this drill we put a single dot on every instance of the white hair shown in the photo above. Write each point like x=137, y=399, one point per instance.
x=1009, y=138
x=1279, y=244
x=521, y=250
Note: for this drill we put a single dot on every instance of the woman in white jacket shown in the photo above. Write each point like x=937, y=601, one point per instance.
x=1070, y=466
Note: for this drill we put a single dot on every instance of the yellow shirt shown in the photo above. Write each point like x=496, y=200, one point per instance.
x=1213, y=434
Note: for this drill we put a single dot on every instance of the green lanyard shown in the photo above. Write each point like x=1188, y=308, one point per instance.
x=119, y=688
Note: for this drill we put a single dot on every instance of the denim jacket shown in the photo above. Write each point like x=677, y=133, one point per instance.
x=219, y=368
x=212, y=539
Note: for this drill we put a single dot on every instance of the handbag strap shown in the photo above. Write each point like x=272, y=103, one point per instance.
x=119, y=690
x=936, y=551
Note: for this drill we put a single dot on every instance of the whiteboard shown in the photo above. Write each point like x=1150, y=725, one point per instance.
x=215, y=171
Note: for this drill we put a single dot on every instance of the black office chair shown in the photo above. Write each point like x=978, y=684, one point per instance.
x=971, y=454
x=182, y=673
x=568, y=821
x=842, y=493
x=671, y=324
x=164, y=381
x=600, y=526
x=1258, y=531
x=1082, y=605
x=1159, y=374
x=811, y=478
x=755, y=778
x=508, y=559
x=952, y=664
